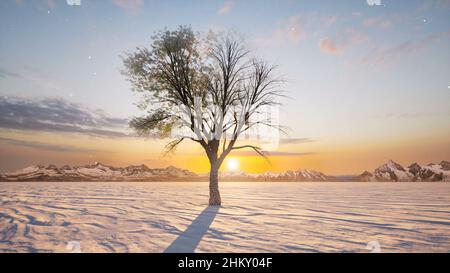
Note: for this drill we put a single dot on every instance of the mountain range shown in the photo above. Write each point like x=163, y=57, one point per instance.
x=389, y=172
x=392, y=171
x=97, y=172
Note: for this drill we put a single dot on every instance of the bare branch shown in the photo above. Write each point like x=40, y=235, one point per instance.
x=255, y=148
x=171, y=146
x=218, y=90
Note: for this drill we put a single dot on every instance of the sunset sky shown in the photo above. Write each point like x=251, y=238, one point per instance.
x=366, y=83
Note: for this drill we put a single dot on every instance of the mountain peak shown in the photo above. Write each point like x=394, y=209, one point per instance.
x=97, y=172
x=391, y=164
x=366, y=176
x=390, y=171
x=99, y=165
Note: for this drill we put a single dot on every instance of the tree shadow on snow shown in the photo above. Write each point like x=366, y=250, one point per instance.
x=188, y=241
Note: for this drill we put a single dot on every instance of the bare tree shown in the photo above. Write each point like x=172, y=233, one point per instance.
x=213, y=89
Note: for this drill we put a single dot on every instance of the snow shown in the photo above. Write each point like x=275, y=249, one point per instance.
x=390, y=171
x=255, y=217
x=98, y=171
x=436, y=168
x=401, y=174
x=26, y=170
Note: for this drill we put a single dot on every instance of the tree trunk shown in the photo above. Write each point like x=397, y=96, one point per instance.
x=214, y=194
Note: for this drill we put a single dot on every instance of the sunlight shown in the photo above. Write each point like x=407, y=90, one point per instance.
x=232, y=164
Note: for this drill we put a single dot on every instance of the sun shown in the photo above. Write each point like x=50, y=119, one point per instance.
x=232, y=164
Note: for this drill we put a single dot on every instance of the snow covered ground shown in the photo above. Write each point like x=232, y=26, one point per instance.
x=255, y=217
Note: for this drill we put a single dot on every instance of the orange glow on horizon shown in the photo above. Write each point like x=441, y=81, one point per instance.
x=329, y=156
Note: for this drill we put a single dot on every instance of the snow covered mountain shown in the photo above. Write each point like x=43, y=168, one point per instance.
x=435, y=172
x=101, y=172
x=364, y=177
x=97, y=172
x=300, y=175
x=392, y=171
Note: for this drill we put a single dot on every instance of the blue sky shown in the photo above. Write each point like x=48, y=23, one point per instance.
x=355, y=72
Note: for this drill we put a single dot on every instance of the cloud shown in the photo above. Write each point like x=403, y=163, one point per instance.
x=276, y=153
x=377, y=21
x=43, y=146
x=57, y=115
x=4, y=73
x=132, y=7
x=226, y=7
x=295, y=140
x=271, y=153
x=383, y=55
x=31, y=75
x=297, y=27
x=425, y=6
x=412, y=115
x=290, y=30
x=50, y=4
x=343, y=39
x=329, y=46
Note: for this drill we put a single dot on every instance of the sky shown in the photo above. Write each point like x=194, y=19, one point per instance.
x=367, y=81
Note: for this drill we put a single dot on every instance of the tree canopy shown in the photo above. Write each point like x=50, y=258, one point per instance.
x=211, y=87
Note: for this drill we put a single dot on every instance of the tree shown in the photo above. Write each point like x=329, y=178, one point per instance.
x=211, y=88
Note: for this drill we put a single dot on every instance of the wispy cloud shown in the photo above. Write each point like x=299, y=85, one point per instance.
x=132, y=7
x=4, y=73
x=43, y=146
x=377, y=21
x=277, y=153
x=297, y=27
x=226, y=7
x=57, y=115
x=295, y=140
x=342, y=40
x=271, y=153
x=329, y=46
x=410, y=115
x=47, y=4
x=425, y=6
x=50, y=3
x=31, y=75
x=383, y=55
x=289, y=30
